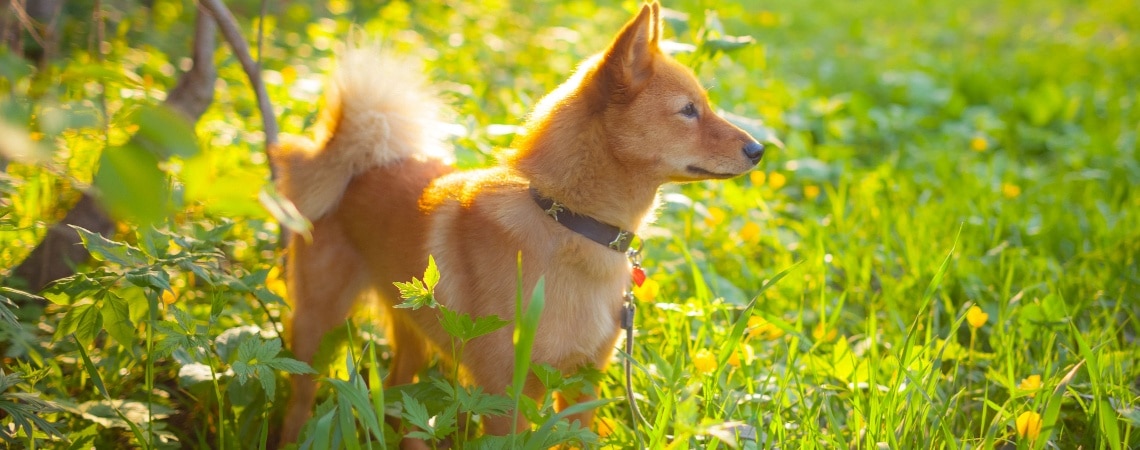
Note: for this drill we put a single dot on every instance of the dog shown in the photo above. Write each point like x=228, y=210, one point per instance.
x=582, y=177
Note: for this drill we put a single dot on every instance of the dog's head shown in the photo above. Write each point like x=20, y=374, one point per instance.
x=643, y=109
x=657, y=115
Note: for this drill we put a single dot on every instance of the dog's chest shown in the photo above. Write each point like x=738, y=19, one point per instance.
x=581, y=319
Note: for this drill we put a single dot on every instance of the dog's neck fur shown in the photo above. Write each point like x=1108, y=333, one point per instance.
x=580, y=172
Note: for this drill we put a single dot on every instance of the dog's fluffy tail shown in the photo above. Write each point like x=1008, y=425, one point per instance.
x=378, y=110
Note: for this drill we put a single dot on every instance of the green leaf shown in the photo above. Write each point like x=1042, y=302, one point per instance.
x=526, y=327
x=285, y=212
x=104, y=249
x=461, y=326
x=431, y=274
x=415, y=295
x=164, y=132
x=415, y=412
x=131, y=185
x=117, y=319
x=88, y=323
x=728, y=44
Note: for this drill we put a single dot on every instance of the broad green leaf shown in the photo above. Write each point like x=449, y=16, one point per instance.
x=431, y=274
x=117, y=319
x=131, y=185
x=104, y=249
x=164, y=132
x=285, y=212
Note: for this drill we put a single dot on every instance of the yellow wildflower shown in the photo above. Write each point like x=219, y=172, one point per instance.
x=1010, y=190
x=704, y=361
x=767, y=19
x=715, y=217
x=811, y=191
x=979, y=144
x=758, y=177
x=976, y=316
x=749, y=356
x=1029, y=425
x=647, y=291
x=777, y=180
x=749, y=232
x=274, y=283
x=824, y=333
x=606, y=426
x=1031, y=383
x=760, y=327
x=169, y=296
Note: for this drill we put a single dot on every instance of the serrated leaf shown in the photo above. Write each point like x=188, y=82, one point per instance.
x=156, y=279
x=431, y=274
x=268, y=380
x=6, y=314
x=290, y=365
x=415, y=412
x=117, y=319
x=104, y=249
x=88, y=323
x=415, y=295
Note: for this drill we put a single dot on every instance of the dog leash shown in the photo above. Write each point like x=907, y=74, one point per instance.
x=627, y=314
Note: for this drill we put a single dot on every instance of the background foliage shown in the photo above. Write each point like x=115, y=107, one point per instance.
x=939, y=155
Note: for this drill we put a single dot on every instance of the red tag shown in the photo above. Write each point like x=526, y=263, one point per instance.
x=638, y=276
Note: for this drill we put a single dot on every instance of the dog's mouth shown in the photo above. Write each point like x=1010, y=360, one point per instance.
x=709, y=174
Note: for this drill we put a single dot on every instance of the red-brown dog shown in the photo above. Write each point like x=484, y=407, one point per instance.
x=583, y=174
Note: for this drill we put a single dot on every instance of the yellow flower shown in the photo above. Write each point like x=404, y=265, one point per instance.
x=760, y=327
x=767, y=19
x=606, y=426
x=979, y=144
x=976, y=317
x=715, y=217
x=274, y=283
x=1010, y=190
x=1031, y=383
x=647, y=291
x=777, y=180
x=758, y=177
x=749, y=232
x=811, y=191
x=704, y=361
x=1029, y=425
x=749, y=356
x=823, y=333
x=169, y=296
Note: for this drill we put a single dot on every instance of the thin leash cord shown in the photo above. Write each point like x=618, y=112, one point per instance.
x=634, y=412
x=634, y=255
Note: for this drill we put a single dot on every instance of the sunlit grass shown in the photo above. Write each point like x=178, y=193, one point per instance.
x=954, y=213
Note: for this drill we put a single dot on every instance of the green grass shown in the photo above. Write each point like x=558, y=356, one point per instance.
x=939, y=155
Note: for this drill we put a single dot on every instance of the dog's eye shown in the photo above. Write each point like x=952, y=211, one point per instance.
x=689, y=111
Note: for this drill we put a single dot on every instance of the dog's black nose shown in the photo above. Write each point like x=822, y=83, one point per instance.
x=754, y=151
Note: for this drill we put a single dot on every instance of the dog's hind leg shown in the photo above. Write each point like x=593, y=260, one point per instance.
x=325, y=277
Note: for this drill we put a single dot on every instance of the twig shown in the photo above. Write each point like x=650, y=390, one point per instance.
x=22, y=15
x=195, y=89
x=228, y=25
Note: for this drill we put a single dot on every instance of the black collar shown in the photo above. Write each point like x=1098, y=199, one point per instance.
x=602, y=233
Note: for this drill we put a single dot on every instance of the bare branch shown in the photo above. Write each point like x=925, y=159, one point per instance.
x=195, y=89
x=228, y=25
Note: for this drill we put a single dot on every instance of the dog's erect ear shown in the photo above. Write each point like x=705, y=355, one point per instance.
x=628, y=62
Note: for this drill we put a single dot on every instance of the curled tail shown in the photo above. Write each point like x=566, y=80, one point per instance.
x=378, y=109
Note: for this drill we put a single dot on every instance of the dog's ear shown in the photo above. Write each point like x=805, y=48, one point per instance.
x=628, y=62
